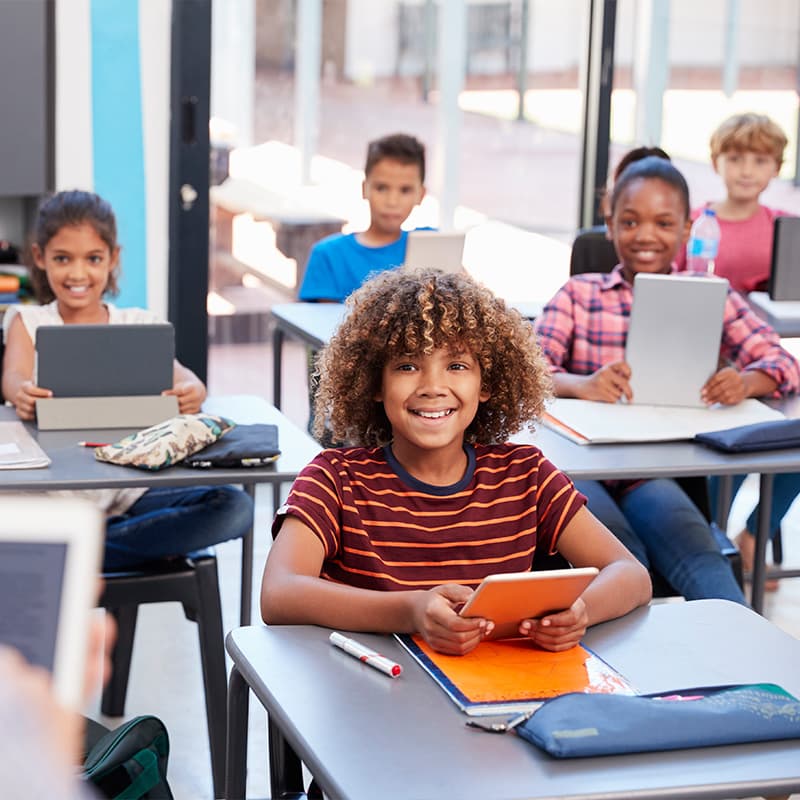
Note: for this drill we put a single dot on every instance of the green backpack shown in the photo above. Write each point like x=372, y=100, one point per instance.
x=129, y=762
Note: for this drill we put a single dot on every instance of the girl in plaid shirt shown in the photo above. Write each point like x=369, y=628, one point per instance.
x=582, y=332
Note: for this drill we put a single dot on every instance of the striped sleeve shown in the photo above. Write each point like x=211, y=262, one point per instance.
x=316, y=500
x=558, y=501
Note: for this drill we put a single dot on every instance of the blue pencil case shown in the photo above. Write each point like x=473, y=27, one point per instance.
x=576, y=725
x=778, y=434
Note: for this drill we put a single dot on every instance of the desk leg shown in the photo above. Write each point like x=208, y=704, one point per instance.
x=236, y=755
x=762, y=536
x=277, y=366
x=285, y=768
x=724, y=501
x=246, y=602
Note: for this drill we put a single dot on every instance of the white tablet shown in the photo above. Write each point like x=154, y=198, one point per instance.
x=510, y=598
x=674, y=336
x=442, y=250
x=50, y=556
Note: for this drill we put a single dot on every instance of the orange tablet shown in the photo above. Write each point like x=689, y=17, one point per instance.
x=508, y=599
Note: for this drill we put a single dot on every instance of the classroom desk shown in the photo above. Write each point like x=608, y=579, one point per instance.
x=314, y=323
x=672, y=460
x=362, y=734
x=75, y=467
x=782, y=315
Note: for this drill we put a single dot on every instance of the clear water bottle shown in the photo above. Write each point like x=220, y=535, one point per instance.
x=703, y=242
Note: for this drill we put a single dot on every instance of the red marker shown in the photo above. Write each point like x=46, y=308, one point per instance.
x=93, y=444
x=362, y=653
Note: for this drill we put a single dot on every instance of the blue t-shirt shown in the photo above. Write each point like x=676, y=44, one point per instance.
x=338, y=265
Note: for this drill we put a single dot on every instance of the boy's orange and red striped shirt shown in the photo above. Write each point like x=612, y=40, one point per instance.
x=383, y=529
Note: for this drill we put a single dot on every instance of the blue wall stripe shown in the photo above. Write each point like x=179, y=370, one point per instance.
x=119, y=174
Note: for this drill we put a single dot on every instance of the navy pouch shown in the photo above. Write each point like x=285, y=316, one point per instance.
x=776, y=435
x=576, y=725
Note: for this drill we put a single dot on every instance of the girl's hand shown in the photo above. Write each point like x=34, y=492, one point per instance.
x=608, y=384
x=26, y=397
x=437, y=621
x=726, y=386
x=560, y=631
x=190, y=396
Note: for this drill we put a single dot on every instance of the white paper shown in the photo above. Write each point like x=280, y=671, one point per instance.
x=8, y=449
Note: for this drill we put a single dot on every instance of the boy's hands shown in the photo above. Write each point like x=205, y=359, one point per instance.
x=190, y=396
x=560, y=631
x=437, y=621
x=26, y=397
x=608, y=384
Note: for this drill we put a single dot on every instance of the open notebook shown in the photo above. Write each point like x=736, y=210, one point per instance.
x=592, y=422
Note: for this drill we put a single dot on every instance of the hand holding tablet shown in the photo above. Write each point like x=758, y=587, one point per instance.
x=509, y=598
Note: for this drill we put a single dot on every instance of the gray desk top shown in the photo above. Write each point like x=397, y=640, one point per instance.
x=364, y=735
x=782, y=315
x=74, y=467
x=652, y=460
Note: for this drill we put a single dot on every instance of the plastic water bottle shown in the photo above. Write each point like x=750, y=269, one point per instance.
x=703, y=242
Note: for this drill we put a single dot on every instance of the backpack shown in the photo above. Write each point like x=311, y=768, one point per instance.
x=129, y=762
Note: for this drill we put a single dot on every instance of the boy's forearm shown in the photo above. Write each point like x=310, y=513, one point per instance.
x=304, y=600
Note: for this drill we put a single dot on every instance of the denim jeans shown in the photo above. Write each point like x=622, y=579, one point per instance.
x=785, y=488
x=664, y=529
x=174, y=521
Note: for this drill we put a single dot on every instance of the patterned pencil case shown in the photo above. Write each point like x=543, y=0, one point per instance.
x=576, y=725
x=166, y=443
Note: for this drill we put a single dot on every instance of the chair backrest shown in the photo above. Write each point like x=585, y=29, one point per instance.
x=592, y=252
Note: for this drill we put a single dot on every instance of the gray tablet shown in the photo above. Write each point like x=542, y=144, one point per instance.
x=784, y=277
x=674, y=336
x=105, y=360
x=437, y=249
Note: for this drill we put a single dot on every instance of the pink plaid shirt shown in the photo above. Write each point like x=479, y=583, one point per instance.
x=585, y=325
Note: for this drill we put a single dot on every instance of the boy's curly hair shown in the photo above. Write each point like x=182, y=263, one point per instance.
x=408, y=312
x=756, y=133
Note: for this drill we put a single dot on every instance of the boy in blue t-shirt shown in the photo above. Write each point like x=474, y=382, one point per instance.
x=393, y=186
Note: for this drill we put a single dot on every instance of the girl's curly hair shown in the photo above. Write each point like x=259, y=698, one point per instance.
x=408, y=312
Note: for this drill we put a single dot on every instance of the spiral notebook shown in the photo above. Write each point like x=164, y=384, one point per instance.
x=512, y=676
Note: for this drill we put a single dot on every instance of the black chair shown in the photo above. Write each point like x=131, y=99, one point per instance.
x=192, y=581
x=592, y=251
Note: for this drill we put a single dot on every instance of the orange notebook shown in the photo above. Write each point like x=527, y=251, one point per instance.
x=511, y=676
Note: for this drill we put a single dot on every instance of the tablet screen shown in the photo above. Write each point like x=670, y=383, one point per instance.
x=50, y=554
x=31, y=581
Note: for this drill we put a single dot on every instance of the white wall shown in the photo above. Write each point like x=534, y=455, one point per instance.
x=155, y=27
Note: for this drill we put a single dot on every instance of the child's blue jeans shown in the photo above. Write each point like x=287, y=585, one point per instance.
x=785, y=488
x=664, y=529
x=174, y=521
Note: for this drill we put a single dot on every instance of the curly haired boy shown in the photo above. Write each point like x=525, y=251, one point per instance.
x=425, y=380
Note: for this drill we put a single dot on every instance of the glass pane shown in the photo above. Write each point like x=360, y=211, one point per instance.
x=716, y=59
